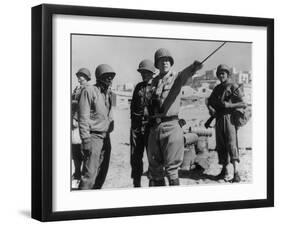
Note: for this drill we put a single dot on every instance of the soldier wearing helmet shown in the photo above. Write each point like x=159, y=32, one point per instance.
x=165, y=142
x=95, y=123
x=139, y=120
x=223, y=100
x=83, y=76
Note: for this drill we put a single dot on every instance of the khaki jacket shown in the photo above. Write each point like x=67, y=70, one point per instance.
x=95, y=113
x=166, y=92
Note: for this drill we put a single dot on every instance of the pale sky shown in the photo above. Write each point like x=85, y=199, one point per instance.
x=124, y=54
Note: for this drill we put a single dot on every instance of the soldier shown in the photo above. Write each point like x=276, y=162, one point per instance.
x=223, y=100
x=139, y=120
x=83, y=76
x=166, y=142
x=95, y=123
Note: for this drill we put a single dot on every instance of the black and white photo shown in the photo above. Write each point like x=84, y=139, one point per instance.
x=146, y=112
x=172, y=103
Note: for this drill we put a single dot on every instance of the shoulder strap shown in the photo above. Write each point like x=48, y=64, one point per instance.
x=170, y=97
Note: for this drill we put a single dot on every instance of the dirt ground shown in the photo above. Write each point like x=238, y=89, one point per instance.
x=119, y=169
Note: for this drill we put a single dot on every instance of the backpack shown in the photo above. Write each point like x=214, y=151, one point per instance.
x=241, y=116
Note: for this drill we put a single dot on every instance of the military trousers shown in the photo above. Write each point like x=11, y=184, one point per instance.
x=165, y=150
x=226, y=140
x=138, y=142
x=77, y=156
x=95, y=162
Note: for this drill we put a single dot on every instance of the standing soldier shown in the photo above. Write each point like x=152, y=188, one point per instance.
x=224, y=99
x=95, y=122
x=166, y=142
x=139, y=120
x=83, y=76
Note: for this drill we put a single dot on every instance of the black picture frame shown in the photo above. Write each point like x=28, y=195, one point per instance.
x=42, y=108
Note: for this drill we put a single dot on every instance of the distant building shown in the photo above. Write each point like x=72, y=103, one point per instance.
x=128, y=87
x=247, y=90
x=241, y=77
x=233, y=70
x=210, y=78
x=121, y=99
x=120, y=87
x=187, y=91
x=210, y=75
x=204, y=90
x=250, y=76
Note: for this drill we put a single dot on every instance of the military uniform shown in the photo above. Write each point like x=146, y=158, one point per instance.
x=226, y=132
x=83, y=76
x=166, y=141
x=76, y=147
x=139, y=128
x=95, y=123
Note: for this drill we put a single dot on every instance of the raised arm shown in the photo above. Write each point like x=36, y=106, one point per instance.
x=188, y=72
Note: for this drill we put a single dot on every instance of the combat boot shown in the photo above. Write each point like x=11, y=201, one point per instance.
x=236, y=178
x=223, y=173
x=155, y=183
x=173, y=182
x=137, y=182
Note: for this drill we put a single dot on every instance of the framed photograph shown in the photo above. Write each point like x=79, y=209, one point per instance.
x=146, y=112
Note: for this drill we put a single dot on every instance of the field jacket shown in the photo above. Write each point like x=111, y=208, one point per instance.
x=95, y=113
x=166, y=92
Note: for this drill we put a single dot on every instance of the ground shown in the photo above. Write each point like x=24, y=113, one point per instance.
x=119, y=170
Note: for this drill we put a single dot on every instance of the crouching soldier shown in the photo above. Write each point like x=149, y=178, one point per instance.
x=139, y=120
x=95, y=123
x=226, y=97
x=83, y=76
x=166, y=142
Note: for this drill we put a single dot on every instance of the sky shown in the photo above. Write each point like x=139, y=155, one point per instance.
x=124, y=54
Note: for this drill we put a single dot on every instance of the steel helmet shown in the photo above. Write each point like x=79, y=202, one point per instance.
x=103, y=69
x=146, y=65
x=84, y=72
x=223, y=67
x=162, y=53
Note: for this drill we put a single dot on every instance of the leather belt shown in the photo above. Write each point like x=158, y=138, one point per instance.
x=98, y=133
x=159, y=120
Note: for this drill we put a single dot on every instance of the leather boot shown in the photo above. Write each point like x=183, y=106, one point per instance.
x=223, y=173
x=137, y=182
x=236, y=178
x=154, y=183
x=174, y=182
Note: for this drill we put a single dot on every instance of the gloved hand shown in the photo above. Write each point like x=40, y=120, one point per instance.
x=86, y=143
x=111, y=126
x=196, y=66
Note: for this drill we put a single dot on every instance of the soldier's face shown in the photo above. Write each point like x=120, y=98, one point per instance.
x=146, y=75
x=82, y=80
x=107, y=79
x=164, y=65
x=222, y=76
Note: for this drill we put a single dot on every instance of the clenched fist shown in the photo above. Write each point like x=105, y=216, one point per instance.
x=196, y=66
